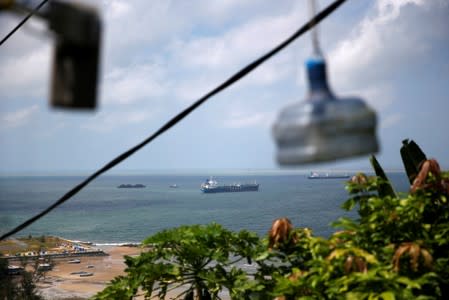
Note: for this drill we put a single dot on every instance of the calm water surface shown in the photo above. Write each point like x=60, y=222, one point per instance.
x=102, y=213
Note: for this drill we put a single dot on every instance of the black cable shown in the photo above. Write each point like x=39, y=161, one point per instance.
x=234, y=78
x=23, y=21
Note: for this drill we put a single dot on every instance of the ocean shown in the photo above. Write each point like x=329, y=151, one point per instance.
x=104, y=214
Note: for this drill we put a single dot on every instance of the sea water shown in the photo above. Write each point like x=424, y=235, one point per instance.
x=105, y=214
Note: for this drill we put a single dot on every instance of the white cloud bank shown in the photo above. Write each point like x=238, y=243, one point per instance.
x=26, y=75
x=240, y=119
x=125, y=85
x=108, y=121
x=374, y=48
x=370, y=61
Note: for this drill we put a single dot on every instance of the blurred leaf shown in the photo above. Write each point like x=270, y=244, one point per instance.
x=385, y=188
x=388, y=295
x=412, y=157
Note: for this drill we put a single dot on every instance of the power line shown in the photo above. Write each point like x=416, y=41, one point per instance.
x=234, y=78
x=23, y=21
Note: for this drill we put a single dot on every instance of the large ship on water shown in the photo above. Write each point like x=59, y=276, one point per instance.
x=131, y=186
x=212, y=186
x=315, y=175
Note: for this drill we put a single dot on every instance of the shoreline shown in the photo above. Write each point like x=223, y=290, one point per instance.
x=62, y=283
x=60, y=256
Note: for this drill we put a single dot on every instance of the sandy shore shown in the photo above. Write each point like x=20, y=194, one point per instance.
x=60, y=284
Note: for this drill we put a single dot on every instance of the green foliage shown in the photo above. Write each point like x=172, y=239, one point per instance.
x=22, y=245
x=397, y=248
x=18, y=286
x=198, y=259
x=7, y=287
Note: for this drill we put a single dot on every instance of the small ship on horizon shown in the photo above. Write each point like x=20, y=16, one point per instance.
x=315, y=175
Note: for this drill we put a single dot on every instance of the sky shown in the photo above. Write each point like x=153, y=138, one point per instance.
x=158, y=57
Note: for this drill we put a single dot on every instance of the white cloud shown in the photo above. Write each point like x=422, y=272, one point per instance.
x=276, y=70
x=18, y=118
x=373, y=41
x=192, y=88
x=117, y=9
x=26, y=75
x=239, y=45
x=134, y=83
x=381, y=44
x=378, y=95
x=128, y=25
x=389, y=10
x=248, y=119
x=222, y=10
x=211, y=59
x=391, y=120
x=161, y=20
x=107, y=121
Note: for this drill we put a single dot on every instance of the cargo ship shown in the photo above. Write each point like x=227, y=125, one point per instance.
x=315, y=175
x=131, y=186
x=212, y=186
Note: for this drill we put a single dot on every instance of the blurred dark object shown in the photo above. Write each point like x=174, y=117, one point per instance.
x=6, y=4
x=76, y=54
x=412, y=157
x=385, y=188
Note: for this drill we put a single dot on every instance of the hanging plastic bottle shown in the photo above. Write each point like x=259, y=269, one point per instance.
x=323, y=127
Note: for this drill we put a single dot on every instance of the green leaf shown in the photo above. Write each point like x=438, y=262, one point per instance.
x=349, y=204
x=409, y=282
x=389, y=295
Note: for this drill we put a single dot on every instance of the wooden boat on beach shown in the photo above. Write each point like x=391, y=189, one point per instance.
x=82, y=273
x=44, y=267
x=15, y=270
x=77, y=273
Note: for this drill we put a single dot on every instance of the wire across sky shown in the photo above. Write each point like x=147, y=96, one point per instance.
x=30, y=14
x=177, y=118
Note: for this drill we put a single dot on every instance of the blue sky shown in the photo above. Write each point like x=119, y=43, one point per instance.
x=160, y=56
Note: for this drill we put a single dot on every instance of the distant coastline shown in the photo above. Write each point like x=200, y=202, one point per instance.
x=48, y=247
x=67, y=280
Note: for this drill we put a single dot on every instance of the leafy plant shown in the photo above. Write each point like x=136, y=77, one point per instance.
x=19, y=286
x=197, y=260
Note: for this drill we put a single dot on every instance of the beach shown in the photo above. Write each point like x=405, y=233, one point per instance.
x=59, y=283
